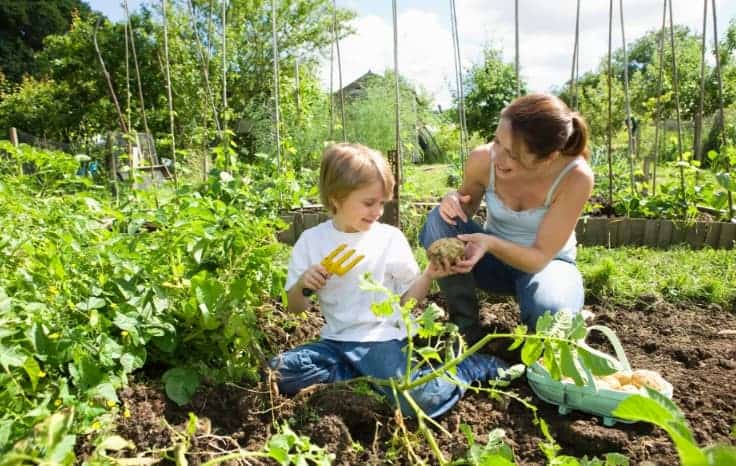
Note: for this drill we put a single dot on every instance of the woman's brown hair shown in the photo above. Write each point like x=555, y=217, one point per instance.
x=546, y=124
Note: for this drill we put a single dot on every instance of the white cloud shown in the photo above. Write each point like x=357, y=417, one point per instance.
x=425, y=51
x=546, y=38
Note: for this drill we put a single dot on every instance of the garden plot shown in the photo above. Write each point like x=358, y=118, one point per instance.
x=687, y=344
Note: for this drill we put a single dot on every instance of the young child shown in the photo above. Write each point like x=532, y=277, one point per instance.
x=355, y=182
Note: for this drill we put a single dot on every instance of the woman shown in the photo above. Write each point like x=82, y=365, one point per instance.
x=535, y=179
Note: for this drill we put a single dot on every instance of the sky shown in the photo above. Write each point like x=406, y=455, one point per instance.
x=546, y=35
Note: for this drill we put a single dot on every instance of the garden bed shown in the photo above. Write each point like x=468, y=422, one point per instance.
x=685, y=342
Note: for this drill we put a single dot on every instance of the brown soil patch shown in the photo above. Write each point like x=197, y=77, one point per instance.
x=682, y=342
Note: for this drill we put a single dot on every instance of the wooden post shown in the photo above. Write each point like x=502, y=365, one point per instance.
x=14, y=141
x=391, y=210
x=14, y=137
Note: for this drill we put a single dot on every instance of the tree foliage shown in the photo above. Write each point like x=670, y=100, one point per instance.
x=24, y=25
x=489, y=86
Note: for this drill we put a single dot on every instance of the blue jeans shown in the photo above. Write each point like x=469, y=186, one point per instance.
x=557, y=286
x=327, y=361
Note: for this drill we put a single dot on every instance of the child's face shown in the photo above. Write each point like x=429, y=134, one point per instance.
x=360, y=209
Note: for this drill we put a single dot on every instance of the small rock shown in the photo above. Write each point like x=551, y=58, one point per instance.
x=727, y=363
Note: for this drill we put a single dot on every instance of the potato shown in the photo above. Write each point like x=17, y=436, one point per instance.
x=646, y=378
x=623, y=377
x=450, y=249
x=628, y=388
x=608, y=381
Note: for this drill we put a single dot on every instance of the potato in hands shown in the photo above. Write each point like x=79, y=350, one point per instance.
x=446, y=251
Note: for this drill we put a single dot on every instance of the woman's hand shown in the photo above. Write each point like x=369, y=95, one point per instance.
x=476, y=246
x=451, y=207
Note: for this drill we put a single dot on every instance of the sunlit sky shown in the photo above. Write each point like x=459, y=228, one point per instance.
x=546, y=35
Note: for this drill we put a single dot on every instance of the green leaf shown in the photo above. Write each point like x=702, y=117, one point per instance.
x=115, y=443
x=724, y=179
x=63, y=451
x=91, y=303
x=662, y=412
x=11, y=356
x=597, y=364
x=531, y=351
x=85, y=371
x=5, y=302
x=6, y=428
x=38, y=339
x=545, y=322
x=180, y=384
x=720, y=454
x=56, y=428
x=429, y=353
x=428, y=325
x=109, y=350
x=104, y=390
x=133, y=359
x=519, y=331
x=568, y=366
x=34, y=371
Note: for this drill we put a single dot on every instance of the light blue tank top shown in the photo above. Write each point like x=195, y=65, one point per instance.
x=521, y=227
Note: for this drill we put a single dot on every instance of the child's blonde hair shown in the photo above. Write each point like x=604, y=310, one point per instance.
x=346, y=167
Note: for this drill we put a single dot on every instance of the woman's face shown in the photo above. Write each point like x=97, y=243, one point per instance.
x=512, y=158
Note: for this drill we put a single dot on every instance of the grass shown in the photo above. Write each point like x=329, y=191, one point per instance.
x=622, y=275
x=428, y=183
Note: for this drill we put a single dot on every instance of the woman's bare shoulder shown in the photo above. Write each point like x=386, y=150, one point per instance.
x=479, y=160
x=579, y=180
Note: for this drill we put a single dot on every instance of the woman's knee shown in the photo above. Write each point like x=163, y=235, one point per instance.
x=560, y=287
x=435, y=228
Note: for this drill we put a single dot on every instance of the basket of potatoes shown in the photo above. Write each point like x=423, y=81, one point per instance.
x=598, y=395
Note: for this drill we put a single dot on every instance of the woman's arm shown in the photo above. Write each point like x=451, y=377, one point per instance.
x=554, y=231
x=465, y=202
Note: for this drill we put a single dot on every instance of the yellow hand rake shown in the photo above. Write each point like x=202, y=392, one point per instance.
x=337, y=262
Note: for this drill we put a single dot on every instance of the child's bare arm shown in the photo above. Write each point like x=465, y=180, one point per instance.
x=419, y=289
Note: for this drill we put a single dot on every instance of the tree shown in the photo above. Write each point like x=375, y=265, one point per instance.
x=371, y=118
x=489, y=87
x=23, y=26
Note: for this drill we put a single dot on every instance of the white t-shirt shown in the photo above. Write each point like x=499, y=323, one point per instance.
x=346, y=307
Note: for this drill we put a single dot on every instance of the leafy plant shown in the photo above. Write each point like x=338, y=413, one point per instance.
x=662, y=412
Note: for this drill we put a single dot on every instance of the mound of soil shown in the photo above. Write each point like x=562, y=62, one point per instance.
x=685, y=343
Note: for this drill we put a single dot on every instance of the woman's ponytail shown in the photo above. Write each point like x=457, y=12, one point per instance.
x=577, y=142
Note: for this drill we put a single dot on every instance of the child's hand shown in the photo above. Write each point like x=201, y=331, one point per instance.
x=315, y=277
x=435, y=270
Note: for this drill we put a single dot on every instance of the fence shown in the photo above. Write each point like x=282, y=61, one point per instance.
x=590, y=231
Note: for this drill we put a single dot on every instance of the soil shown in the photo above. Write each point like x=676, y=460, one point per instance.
x=681, y=341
